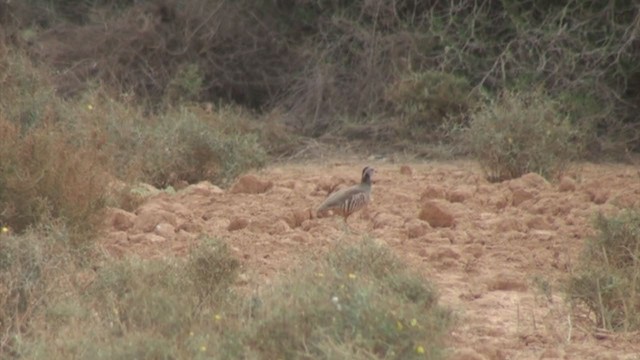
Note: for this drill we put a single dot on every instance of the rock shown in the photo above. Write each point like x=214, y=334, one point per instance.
x=406, y=170
x=433, y=192
x=119, y=219
x=436, y=214
x=165, y=230
x=249, y=184
x=567, y=184
x=237, y=223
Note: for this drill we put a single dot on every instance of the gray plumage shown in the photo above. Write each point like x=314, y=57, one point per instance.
x=349, y=200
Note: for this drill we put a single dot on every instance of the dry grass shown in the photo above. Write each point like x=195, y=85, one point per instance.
x=335, y=307
x=607, y=280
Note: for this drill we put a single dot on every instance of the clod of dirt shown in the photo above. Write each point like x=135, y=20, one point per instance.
x=505, y=282
x=416, y=228
x=146, y=238
x=406, y=170
x=520, y=195
x=382, y=220
x=466, y=354
x=445, y=253
x=532, y=180
x=203, y=188
x=119, y=219
x=567, y=184
x=249, y=184
x=598, y=193
x=436, y=214
x=280, y=227
x=539, y=223
x=433, y=192
x=237, y=224
x=165, y=230
x=460, y=194
x=151, y=216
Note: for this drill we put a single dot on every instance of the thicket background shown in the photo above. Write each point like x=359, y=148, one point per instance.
x=403, y=71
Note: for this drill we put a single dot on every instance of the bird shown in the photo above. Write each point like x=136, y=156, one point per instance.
x=349, y=200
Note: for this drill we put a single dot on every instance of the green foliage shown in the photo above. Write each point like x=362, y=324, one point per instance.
x=426, y=101
x=183, y=146
x=211, y=268
x=186, y=85
x=521, y=133
x=607, y=280
x=338, y=306
x=348, y=305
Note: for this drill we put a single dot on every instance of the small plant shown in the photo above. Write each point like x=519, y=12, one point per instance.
x=607, y=281
x=211, y=268
x=521, y=133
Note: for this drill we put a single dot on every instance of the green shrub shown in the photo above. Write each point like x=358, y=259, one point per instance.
x=185, y=147
x=607, y=280
x=211, y=268
x=361, y=302
x=426, y=101
x=521, y=133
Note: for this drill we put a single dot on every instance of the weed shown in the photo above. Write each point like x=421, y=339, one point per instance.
x=521, y=133
x=607, y=280
x=42, y=177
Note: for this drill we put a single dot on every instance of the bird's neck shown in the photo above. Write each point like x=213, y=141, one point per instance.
x=366, y=181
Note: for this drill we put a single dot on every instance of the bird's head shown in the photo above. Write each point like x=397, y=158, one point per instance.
x=367, y=174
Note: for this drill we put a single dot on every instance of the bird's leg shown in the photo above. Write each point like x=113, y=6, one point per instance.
x=345, y=226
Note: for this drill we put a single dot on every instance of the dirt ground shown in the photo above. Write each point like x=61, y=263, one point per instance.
x=498, y=252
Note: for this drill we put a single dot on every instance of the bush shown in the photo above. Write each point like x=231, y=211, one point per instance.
x=521, y=133
x=425, y=102
x=34, y=268
x=349, y=306
x=186, y=147
x=607, y=280
x=43, y=177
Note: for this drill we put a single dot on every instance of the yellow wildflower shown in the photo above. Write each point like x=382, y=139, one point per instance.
x=419, y=349
x=414, y=322
x=217, y=317
x=352, y=276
